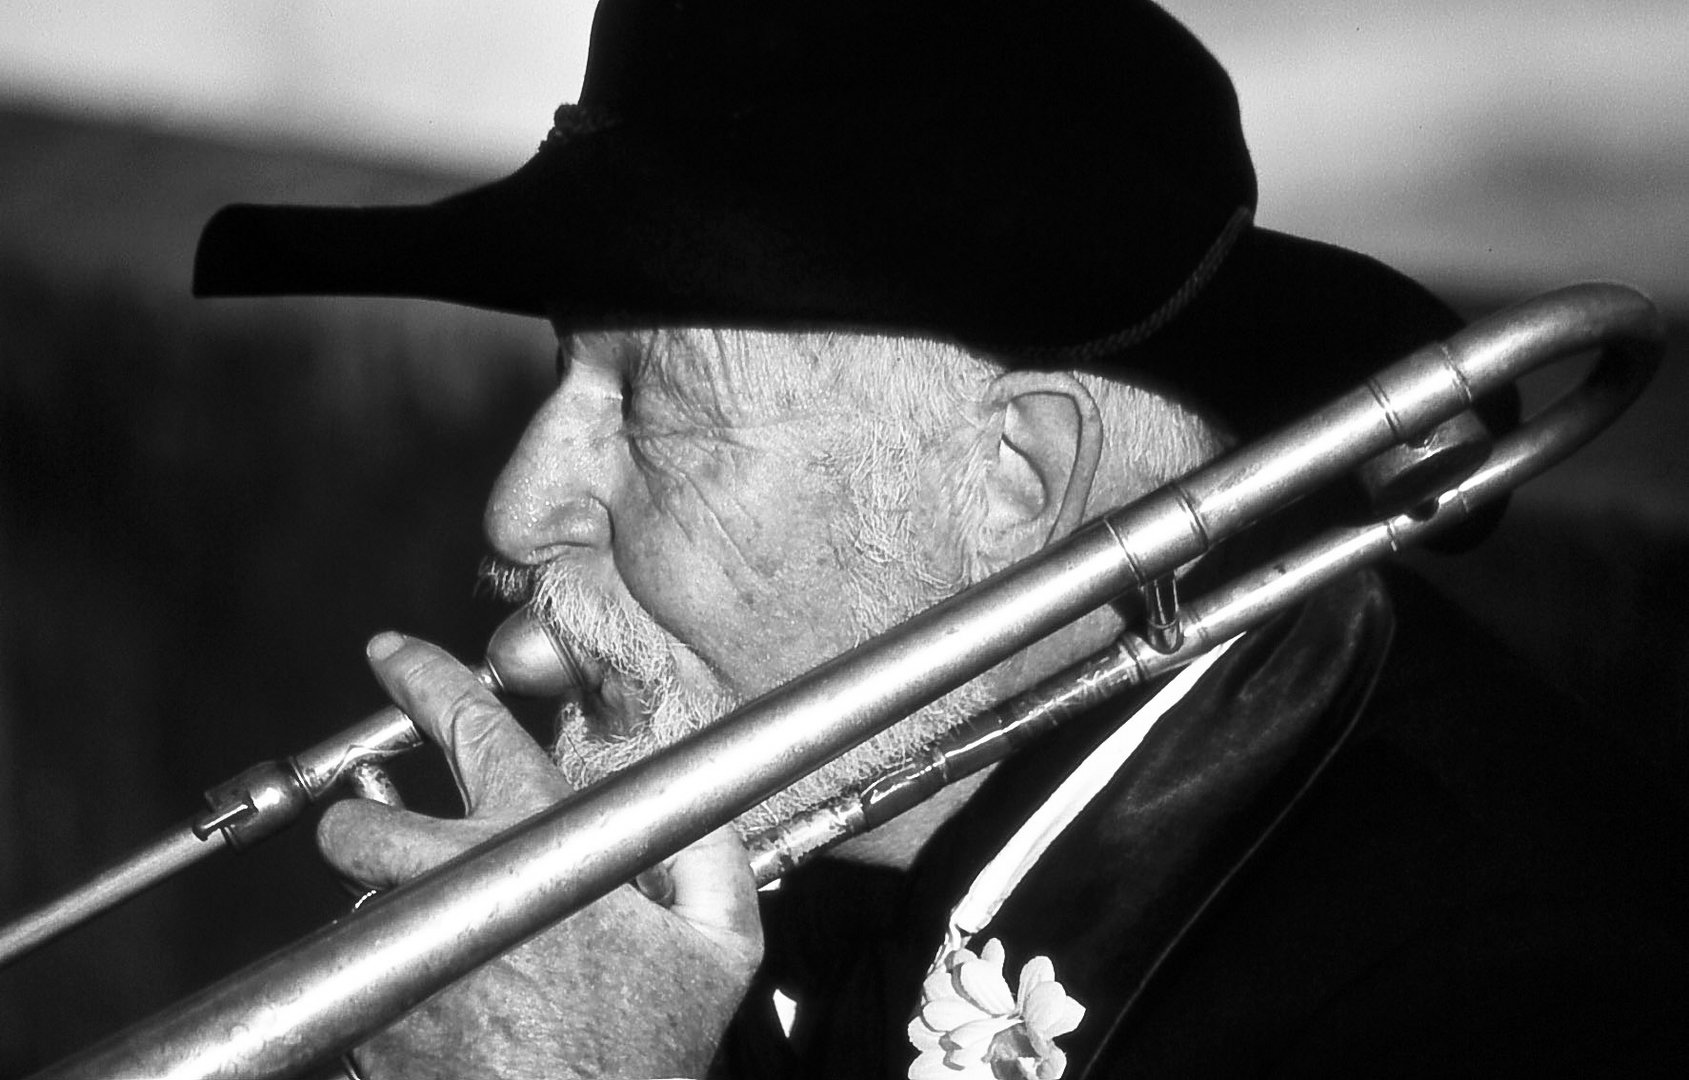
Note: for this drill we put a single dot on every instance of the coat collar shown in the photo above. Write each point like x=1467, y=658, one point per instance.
x=1140, y=868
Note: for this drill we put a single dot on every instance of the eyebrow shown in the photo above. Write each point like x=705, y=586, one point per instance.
x=706, y=371
x=704, y=375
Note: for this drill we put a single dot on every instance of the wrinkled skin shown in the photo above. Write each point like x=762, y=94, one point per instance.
x=713, y=511
x=582, y=999
x=710, y=494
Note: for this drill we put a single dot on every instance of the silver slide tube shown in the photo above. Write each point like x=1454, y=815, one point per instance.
x=301, y=1007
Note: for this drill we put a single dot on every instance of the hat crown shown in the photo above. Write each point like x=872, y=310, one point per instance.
x=1012, y=174
x=1086, y=84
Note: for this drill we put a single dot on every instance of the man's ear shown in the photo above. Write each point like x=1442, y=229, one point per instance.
x=1048, y=447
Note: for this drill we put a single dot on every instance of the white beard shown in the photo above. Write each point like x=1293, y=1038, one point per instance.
x=628, y=641
x=892, y=581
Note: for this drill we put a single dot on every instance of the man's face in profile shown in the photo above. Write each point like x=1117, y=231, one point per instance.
x=704, y=516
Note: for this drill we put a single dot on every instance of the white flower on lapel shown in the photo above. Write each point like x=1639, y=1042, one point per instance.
x=970, y=1027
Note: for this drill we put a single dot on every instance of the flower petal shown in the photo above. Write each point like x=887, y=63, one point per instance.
x=1049, y=1011
x=970, y=1063
x=1052, y=1065
x=940, y=983
x=931, y=1066
x=980, y=1031
x=982, y=982
x=924, y=1037
x=948, y=1014
x=1037, y=970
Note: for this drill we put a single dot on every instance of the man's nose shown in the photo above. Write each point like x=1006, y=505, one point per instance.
x=553, y=496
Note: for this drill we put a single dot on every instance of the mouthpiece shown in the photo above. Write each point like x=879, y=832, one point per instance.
x=523, y=658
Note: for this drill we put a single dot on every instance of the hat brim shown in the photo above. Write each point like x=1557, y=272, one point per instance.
x=1283, y=325
x=722, y=225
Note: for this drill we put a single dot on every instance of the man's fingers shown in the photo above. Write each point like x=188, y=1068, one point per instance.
x=715, y=892
x=381, y=846
x=497, y=766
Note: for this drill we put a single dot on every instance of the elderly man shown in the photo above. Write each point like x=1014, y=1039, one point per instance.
x=857, y=304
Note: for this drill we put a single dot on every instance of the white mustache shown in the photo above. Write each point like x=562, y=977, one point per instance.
x=623, y=642
x=622, y=639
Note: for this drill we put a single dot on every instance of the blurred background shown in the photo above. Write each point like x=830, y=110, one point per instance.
x=207, y=507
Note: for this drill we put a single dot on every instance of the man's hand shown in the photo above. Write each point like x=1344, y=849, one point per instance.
x=625, y=987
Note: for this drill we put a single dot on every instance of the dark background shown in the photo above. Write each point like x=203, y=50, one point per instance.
x=207, y=507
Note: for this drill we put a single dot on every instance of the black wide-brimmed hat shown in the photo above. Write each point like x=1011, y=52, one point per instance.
x=1061, y=182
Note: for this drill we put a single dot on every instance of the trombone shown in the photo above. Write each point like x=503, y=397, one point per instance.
x=300, y=1007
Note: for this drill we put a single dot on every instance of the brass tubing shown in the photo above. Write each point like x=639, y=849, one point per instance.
x=173, y=851
x=1239, y=604
x=345, y=982
x=259, y=801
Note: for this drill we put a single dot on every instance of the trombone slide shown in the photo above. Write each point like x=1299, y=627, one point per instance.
x=299, y=1008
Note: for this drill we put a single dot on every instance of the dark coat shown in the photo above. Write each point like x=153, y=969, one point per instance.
x=1369, y=844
